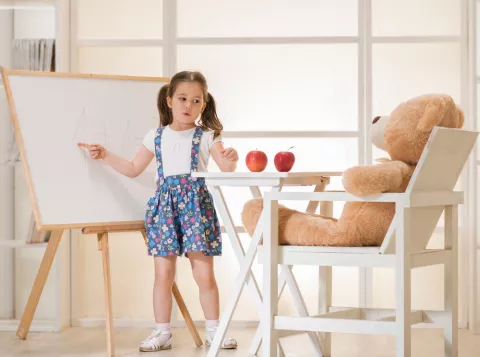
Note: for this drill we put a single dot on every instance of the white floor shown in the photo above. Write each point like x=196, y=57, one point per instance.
x=90, y=342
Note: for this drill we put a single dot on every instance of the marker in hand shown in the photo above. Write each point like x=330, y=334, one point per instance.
x=96, y=151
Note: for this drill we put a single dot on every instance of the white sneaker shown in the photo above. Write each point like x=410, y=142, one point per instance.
x=228, y=343
x=157, y=341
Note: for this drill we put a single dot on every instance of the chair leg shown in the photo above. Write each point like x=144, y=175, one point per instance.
x=403, y=282
x=450, y=329
x=270, y=279
x=325, y=288
x=403, y=313
x=324, y=302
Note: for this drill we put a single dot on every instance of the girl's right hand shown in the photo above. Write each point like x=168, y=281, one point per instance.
x=96, y=151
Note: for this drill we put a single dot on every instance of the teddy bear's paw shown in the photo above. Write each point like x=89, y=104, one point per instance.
x=252, y=209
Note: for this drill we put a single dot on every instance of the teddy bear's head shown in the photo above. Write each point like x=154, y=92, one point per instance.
x=404, y=133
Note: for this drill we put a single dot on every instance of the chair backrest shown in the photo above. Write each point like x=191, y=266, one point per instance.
x=442, y=160
x=438, y=169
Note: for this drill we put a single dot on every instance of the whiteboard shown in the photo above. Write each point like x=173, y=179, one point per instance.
x=51, y=113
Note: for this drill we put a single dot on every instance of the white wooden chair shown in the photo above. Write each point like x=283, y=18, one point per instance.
x=418, y=210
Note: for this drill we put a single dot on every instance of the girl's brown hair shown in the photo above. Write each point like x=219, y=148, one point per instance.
x=209, y=118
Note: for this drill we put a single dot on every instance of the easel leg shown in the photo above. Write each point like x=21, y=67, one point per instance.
x=103, y=240
x=186, y=315
x=181, y=305
x=39, y=284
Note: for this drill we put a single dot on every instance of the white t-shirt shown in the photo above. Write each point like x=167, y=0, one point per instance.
x=177, y=149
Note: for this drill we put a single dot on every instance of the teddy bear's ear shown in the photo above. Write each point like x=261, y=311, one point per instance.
x=433, y=114
x=461, y=117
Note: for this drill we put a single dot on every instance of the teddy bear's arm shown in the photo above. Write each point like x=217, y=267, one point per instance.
x=368, y=180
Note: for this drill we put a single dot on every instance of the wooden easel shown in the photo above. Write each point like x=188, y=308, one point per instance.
x=57, y=231
x=102, y=236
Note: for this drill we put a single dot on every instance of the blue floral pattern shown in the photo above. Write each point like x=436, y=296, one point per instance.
x=180, y=216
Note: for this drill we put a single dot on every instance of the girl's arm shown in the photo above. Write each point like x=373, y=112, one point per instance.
x=226, y=159
x=126, y=167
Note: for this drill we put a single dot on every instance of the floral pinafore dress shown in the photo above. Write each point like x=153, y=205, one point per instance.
x=180, y=216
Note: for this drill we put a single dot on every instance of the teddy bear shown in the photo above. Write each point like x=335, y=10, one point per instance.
x=403, y=135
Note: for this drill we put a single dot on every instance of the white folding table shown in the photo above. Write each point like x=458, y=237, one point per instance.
x=254, y=180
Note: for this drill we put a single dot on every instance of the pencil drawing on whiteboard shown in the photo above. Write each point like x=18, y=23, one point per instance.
x=88, y=128
x=120, y=139
x=123, y=138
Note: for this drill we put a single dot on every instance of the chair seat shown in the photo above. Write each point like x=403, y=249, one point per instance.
x=321, y=249
x=330, y=256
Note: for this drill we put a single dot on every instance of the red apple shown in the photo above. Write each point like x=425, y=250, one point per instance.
x=256, y=161
x=284, y=161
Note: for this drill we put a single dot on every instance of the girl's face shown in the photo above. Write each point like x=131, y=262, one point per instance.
x=187, y=103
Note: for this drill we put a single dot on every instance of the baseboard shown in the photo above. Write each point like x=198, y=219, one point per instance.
x=50, y=326
x=131, y=323
x=36, y=326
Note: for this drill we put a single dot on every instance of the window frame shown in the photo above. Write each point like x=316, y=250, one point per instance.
x=364, y=40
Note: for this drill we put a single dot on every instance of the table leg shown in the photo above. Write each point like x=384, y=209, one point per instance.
x=245, y=261
x=239, y=284
x=287, y=277
x=238, y=249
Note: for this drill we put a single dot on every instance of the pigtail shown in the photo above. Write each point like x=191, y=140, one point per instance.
x=164, y=110
x=209, y=119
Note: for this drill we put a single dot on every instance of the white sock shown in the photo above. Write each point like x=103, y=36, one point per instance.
x=211, y=323
x=163, y=326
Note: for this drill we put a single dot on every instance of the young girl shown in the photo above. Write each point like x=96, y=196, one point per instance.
x=180, y=217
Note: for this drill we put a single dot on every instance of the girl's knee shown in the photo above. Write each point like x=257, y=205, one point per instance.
x=164, y=274
x=205, y=279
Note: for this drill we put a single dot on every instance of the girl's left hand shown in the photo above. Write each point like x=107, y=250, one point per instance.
x=230, y=154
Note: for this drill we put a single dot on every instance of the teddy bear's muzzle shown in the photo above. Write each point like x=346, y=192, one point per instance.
x=377, y=131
